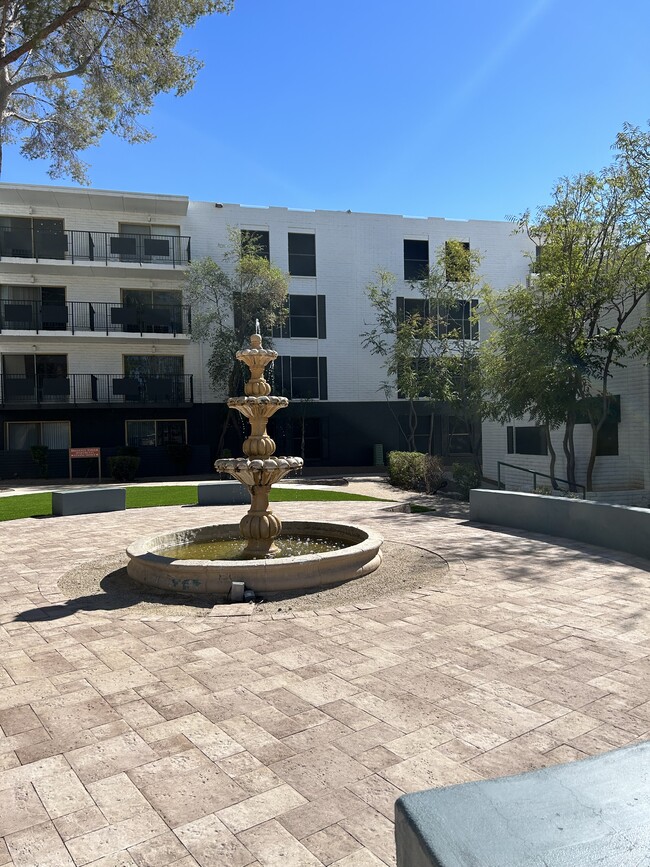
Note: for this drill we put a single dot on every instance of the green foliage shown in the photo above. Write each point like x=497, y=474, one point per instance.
x=31, y=505
x=25, y=506
x=429, y=353
x=228, y=300
x=74, y=71
x=39, y=456
x=415, y=471
x=557, y=340
x=466, y=477
x=166, y=495
x=123, y=467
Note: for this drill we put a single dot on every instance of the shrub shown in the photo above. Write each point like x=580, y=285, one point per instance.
x=415, y=471
x=466, y=477
x=39, y=456
x=123, y=467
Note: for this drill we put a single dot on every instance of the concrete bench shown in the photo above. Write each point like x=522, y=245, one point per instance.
x=88, y=500
x=595, y=811
x=224, y=493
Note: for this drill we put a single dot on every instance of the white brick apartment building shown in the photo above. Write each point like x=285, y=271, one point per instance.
x=95, y=342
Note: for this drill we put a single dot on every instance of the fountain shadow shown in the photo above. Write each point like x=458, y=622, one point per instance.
x=117, y=592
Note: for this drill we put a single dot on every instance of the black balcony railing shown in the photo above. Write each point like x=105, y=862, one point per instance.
x=71, y=316
x=93, y=389
x=74, y=245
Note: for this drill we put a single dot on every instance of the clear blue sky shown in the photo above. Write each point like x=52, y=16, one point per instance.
x=418, y=107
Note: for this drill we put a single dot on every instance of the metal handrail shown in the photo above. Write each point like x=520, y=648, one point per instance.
x=79, y=389
x=103, y=316
x=534, y=474
x=75, y=244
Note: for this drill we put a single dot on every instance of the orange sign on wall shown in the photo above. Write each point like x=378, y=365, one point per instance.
x=85, y=453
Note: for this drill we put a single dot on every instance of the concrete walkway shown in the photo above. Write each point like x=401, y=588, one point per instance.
x=234, y=741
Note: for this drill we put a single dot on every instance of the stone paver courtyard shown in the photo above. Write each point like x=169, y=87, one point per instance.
x=238, y=740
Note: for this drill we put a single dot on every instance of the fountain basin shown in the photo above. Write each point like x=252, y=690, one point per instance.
x=273, y=575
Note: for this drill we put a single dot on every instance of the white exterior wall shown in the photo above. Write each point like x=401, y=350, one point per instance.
x=350, y=247
x=349, y=250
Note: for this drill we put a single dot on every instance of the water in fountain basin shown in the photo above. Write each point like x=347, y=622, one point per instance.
x=233, y=549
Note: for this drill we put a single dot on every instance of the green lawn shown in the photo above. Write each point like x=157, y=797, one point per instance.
x=37, y=505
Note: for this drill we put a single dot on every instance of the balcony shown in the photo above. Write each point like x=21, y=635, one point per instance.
x=73, y=245
x=96, y=389
x=102, y=317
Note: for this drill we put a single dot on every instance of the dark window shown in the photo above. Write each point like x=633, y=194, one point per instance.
x=302, y=254
x=607, y=438
x=526, y=440
x=306, y=438
x=460, y=440
x=256, y=242
x=301, y=377
x=155, y=432
x=457, y=321
x=27, y=238
x=306, y=317
x=22, y=435
x=153, y=365
x=457, y=261
x=460, y=322
x=416, y=259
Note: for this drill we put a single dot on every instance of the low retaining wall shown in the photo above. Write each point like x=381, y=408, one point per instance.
x=622, y=528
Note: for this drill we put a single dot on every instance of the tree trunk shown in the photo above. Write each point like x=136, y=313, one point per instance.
x=413, y=424
x=430, y=441
x=553, y=458
x=568, y=445
x=595, y=428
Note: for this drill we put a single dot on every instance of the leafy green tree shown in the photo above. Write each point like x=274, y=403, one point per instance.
x=72, y=71
x=226, y=302
x=557, y=341
x=428, y=343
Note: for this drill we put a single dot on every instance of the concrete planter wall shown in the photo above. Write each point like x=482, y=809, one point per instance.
x=622, y=528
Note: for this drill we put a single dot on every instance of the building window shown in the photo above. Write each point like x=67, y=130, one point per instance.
x=255, y=242
x=301, y=377
x=26, y=378
x=146, y=242
x=153, y=365
x=302, y=254
x=306, y=318
x=156, y=432
x=22, y=435
x=457, y=321
x=529, y=440
x=32, y=238
x=150, y=311
x=27, y=308
x=306, y=438
x=416, y=259
x=607, y=438
x=458, y=266
x=459, y=440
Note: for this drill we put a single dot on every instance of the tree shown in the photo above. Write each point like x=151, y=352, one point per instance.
x=226, y=303
x=72, y=71
x=558, y=340
x=429, y=344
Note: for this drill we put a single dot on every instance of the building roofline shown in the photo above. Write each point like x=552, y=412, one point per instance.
x=53, y=196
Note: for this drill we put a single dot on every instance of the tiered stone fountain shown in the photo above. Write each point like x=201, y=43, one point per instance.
x=259, y=470
x=340, y=551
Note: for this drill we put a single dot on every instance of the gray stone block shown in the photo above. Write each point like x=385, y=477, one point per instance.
x=622, y=528
x=595, y=811
x=88, y=501
x=224, y=493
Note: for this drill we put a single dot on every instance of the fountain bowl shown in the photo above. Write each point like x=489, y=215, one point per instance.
x=266, y=576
